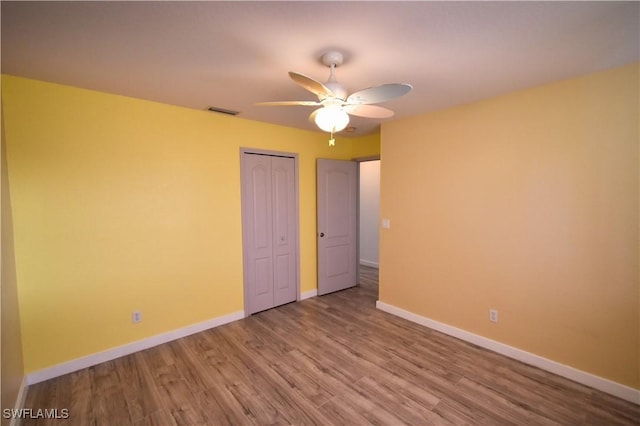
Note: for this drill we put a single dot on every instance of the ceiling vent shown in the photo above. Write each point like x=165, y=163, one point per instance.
x=223, y=110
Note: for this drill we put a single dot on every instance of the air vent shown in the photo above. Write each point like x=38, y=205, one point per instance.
x=223, y=110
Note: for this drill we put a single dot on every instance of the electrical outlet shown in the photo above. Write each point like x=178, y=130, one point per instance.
x=493, y=315
x=136, y=317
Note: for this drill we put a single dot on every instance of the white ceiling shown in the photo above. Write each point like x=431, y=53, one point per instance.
x=233, y=54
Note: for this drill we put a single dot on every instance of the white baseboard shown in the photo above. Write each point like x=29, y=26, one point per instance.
x=605, y=385
x=369, y=263
x=117, y=352
x=22, y=396
x=308, y=294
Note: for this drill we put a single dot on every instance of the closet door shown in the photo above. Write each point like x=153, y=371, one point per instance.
x=258, y=229
x=269, y=231
x=284, y=229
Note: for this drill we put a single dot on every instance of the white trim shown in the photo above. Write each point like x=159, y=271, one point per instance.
x=369, y=263
x=308, y=294
x=605, y=385
x=20, y=399
x=129, y=348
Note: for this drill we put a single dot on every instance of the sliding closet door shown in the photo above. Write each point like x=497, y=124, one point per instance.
x=269, y=231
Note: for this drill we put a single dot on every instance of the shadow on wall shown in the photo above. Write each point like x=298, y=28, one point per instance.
x=12, y=363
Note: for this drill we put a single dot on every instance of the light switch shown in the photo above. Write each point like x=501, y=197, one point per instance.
x=386, y=223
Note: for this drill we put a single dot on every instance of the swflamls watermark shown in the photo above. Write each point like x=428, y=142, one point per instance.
x=35, y=413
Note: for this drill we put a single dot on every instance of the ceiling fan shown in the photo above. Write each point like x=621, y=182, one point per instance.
x=335, y=105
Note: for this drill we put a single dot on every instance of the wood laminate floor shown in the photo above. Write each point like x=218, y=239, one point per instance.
x=330, y=360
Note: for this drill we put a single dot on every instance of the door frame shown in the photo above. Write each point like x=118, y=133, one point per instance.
x=245, y=261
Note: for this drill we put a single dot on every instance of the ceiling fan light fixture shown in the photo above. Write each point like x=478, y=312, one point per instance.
x=332, y=119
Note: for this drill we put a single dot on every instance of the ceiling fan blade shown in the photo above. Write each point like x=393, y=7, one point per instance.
x=312, y=85
x=377, y=94
x=288, y=103
x=368, y=111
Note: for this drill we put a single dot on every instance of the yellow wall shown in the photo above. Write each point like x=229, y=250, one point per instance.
x=121, y=204
x=528, y=204
x=366, y=146
x=12, y=369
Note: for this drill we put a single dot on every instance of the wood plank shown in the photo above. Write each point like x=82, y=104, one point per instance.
x=80, y=408
x=138, y=386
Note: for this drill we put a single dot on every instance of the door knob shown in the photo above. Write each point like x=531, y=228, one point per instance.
x=321, y=234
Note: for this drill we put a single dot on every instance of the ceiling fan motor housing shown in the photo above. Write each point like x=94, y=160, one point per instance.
x=332, y=57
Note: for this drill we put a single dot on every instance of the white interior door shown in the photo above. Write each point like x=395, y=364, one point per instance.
x=269, y=231
x=337, y=191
